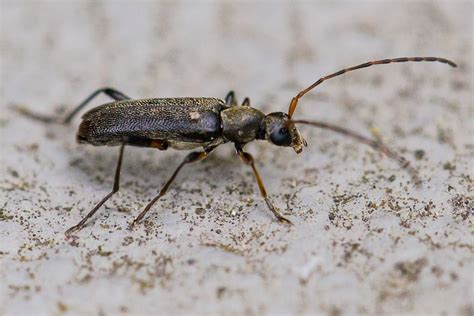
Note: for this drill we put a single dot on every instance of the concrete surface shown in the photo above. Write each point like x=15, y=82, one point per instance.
x=364, y=240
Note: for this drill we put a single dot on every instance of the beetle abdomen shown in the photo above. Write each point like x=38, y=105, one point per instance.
x=194, y=120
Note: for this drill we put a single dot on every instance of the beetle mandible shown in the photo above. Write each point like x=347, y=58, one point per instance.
x=188, y=123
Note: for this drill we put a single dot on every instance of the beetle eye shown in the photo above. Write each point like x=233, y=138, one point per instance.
x=281, y=137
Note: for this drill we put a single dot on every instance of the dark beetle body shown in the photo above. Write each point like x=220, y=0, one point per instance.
x=181, y=123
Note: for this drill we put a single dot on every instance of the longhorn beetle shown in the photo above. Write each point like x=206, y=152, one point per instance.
x=188, y=123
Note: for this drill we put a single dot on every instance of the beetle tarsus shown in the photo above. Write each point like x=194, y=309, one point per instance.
x=72, y=230
x=278, y=215
x=38, y=117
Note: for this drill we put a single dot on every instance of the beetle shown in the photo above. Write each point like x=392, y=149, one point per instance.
x=189, y=123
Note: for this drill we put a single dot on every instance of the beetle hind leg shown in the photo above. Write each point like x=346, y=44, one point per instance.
x=115, y=188
x=113, y=93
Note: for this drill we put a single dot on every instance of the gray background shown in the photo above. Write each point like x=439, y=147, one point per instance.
x=364, y=240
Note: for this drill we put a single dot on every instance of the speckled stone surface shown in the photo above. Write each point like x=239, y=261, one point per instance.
x=364, y=239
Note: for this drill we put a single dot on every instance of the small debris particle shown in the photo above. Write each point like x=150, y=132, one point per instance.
x=372, y=205
x=454, y=276
x=13, y=173
x=335, y=311
x=449, y=166
x=200, y=211
x=419, y=154
x=220, y=291
x=444, y=136
x=392, y=178
x=62, y=307
x=347, y=224
x=437, y=271
x=103, y=253
x=411, y=269
x=124, y=309
x=4, y=216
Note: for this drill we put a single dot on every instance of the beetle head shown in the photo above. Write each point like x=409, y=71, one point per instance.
x=281, y=131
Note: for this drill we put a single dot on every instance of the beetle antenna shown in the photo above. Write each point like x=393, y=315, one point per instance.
x=294, y=101
x=377, y=145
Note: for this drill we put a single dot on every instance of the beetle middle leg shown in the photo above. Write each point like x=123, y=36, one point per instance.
x=190, y=158
x=248, y=160
x=115, y=188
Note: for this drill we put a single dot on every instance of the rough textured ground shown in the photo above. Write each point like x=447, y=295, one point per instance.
x=364, y=239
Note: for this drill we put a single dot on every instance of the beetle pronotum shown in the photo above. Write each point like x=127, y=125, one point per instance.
x=188, y=123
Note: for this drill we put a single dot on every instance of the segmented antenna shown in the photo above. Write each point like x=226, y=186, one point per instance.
x=294, y=101
x=377, y=145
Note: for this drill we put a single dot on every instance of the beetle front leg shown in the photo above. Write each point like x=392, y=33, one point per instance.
x=190, y=158
x=115, y=188
x=248, y=160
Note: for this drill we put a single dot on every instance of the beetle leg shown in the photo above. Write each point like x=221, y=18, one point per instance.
x=248, y=160
x=115, y=188
x=114, y=94
x=230, y=99
x=190, y=158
